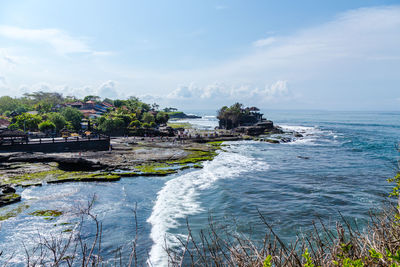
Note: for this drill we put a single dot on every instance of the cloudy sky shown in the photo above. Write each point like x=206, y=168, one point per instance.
x=334, y=54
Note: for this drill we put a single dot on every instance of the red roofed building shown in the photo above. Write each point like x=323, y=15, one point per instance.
x=108, y=105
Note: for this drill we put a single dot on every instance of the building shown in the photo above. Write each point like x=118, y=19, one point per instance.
x=77, y=104
x=4, y=124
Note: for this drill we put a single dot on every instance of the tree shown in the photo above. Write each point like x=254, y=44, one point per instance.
x=46, y=126
x=135, y=123
x=162, y=117
x=43, y=107
x=27, y=122
x=94, y=98
x=148, y=117
x=74, y=116
x=7, y=104
x=111, y=125
x=118, y=103
x=58, y=120
x=155, y=106
x=231, y=117
x=109, y=101
x=48, y=97
x=170, y=109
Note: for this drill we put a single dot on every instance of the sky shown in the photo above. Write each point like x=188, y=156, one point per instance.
x=191, y=54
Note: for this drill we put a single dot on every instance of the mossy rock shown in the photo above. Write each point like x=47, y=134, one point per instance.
x=14, y=212
x=49, y=215
x=59, y=176
x=85, y=177
x=197, y=166
x=33, y=178
x=180, y=125
x=8, y=199
x=155, y=169
x=195, y=156
x=272, y=141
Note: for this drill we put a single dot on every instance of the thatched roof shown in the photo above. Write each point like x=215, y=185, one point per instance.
x=12, y=133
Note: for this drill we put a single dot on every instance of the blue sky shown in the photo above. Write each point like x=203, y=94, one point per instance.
x=337, y=55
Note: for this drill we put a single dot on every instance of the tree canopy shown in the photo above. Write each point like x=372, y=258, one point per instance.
x=51, y=112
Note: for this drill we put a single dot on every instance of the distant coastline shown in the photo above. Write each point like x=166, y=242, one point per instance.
x=177, y=115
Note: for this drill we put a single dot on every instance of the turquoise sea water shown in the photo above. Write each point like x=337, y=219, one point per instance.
x=341, y=164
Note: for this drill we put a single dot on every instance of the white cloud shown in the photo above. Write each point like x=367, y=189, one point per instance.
x=108, y=89
x=216, y=92
x=343, y=63
x=62, y=42
x=264, y=42
x=184, y=92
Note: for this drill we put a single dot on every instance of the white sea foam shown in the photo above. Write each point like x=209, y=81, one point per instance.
x=179, y=198
x=301, y=129
x=310, y=134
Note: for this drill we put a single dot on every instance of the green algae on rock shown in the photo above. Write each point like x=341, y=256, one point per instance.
x=47, y=214
x=14, y=212
x=7, y=199
x=59, y=176
x=156, y=169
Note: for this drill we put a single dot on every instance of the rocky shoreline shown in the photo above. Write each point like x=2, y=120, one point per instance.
x=129, y=157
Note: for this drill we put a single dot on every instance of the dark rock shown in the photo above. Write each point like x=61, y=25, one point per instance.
x=78, y=164
x=8, y=199
x=6, y=189
x=257, y=129
x=298, y=134
x=272, y=141
x=66, y=164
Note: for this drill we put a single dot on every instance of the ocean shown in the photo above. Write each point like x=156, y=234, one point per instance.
x=340, y=166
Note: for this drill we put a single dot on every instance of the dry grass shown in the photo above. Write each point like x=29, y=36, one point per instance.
x=378, y=245
x=341, y=245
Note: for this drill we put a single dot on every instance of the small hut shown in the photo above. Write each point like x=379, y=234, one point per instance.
x=13, y=137
x=65, y=132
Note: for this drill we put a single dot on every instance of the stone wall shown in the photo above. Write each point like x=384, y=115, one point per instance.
x=93, y=145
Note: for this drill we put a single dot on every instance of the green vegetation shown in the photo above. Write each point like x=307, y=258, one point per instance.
x=233, y=116
x=14, y=212
x=26, y=122
x=73, y=116
x=196, y=156
x=180, y=125
x=59, y=176
x=7, y=199
x=46, y=126
x=51, y=112
x=11, y=196
x=157, y=169
x=47, y=214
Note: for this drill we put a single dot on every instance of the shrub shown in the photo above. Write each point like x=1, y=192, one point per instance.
x=47, y=126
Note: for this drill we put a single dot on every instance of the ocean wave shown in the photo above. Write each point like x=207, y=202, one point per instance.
x=312, y=135
x=179, y=198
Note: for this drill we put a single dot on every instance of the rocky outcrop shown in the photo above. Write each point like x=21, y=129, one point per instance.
x=8, y=195
x=64, y=163
x=259, y=128
x=182, y=115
